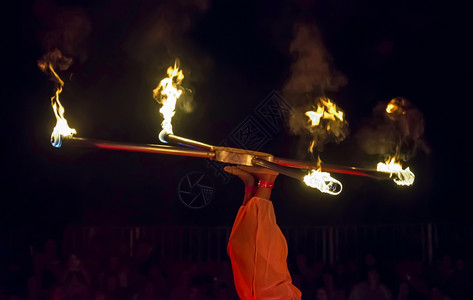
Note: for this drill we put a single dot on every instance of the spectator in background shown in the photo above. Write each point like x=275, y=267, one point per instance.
x=181, y=286
x=15, y=279
x=225, y=278
x=140, y=262
x=98, y=294
x=223, y=291
x=111, y=287
x=148, y=291
x=370, y=262
x=154, y=285
x=351, y=276
x=115, y=269
x=328, y=284
x=372, y=289
x=76, y=282
x=437, y=294
x=459, y=284
x=95, y=260
x=48, y=259
x=340, y=277
x=201, y=287
x=403, y=293
x=444, y=271
x=304, y=276
x=321, y=294
x=48, y=268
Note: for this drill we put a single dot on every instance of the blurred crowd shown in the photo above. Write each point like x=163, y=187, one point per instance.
x=111, y=273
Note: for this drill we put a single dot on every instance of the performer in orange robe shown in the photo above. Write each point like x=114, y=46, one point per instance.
x=257, y=247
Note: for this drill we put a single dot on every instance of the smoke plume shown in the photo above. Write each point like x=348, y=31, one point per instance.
x=64, y=29
x=162, y=26
x=312, y=74
x=396, y=128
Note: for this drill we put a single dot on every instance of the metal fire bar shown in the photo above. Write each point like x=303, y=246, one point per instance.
x=235, y=156
x=145, y=148
x=251, y=158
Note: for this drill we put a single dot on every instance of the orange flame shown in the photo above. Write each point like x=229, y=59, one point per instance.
x=393, y=167
x=61, y=129
x=322, y=181
x=392, y=164
x=396, y=105
x=167, y=93
x=326, y=109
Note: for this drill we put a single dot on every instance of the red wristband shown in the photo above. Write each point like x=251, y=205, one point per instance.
x=265, y=184
x=250, y=189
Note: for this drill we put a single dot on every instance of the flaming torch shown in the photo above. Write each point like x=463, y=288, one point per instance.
x=395, y=110
x=393, y=167
x=61, y=129
x=167, y=93
x=328, y=112
x=315, y=175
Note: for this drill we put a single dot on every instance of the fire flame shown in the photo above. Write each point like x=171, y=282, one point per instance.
x=322, y=181
x=391, y=107
x=326, y=109
x=167, y=93
x=392, y=164
x=393, y=167
x=396, y=105
x=61, y=129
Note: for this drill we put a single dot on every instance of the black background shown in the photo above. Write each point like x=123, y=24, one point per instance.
x=233, y=54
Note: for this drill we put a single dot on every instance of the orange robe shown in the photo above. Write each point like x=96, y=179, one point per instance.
x=258, y=253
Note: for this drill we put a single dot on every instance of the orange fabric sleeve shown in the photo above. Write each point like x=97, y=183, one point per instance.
x=258, y=253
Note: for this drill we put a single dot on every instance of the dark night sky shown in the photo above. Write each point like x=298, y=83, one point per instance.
x=233, y=54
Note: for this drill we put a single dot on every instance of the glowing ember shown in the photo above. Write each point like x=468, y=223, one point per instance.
x=391, y=107
x=167, y=93
x=393, y=167
x=323, y=181
x=61, y=129
x=396, y=105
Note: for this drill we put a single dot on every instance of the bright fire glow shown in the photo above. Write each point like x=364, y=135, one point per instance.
x=391, y=107
x=315, y=116
x=61, y=129
x=396, y=105
x=167, y=93
x=392, y=164
x=323, y=181
x=326, y=109
x=393, y=167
